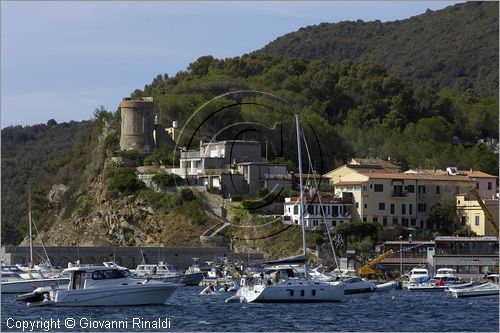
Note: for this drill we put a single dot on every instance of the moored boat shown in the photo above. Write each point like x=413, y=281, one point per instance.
x=109, y=286
x=485, y=289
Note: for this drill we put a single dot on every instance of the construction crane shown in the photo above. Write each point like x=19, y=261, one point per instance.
x=487, y=213
x=368, y=269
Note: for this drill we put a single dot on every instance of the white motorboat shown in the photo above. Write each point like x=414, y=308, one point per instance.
x=417, y=275
x=445, y=273
x=160, y=271
x=10, y=273
x=439, y=285
x=485, y=289
x=109, y=286
x=290, y=288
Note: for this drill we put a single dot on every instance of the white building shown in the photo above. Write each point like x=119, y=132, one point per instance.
x=333, y=211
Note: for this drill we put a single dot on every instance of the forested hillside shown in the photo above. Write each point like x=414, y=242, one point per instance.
x=36, y=154
x=454, y=47
x=354, y=109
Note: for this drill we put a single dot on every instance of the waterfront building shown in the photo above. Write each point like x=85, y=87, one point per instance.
x=357, y=165
x=470, y=257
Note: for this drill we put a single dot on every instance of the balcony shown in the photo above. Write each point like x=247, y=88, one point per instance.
x=399, y=194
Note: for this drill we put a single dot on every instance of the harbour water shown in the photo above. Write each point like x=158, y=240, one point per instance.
x=396, y=310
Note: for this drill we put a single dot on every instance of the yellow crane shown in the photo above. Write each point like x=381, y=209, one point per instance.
x=487, y=213
x=368, y=268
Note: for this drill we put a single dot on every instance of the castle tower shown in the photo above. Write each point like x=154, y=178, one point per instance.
x=137, y=124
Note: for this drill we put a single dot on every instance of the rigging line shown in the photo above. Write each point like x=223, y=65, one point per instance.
x=41, y=241
x=320, y=202
x=256, y=238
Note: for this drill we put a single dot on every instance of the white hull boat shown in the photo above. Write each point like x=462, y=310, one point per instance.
x=293, y=291
x=486, y=289
x=107, y=286
x=386, y=286
x=356, y=287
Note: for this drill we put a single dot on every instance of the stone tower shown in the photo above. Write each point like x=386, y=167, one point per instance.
x=137, y=124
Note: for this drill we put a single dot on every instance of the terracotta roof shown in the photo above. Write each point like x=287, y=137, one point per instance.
x=466, y=239
x=413, y=176
x=324, y=200
x=341, y=183
x=476, y=174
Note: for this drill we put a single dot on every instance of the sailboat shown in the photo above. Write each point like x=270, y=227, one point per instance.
x=34, y=276
x=287, y=284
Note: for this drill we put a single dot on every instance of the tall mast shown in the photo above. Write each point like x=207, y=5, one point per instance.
x=301, y=181
x=32, y=263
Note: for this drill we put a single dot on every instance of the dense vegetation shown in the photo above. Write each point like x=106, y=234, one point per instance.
x=40, y=155
x=454, y=47
x=348, y=110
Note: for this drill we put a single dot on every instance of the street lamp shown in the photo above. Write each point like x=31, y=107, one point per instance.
x=400, y=256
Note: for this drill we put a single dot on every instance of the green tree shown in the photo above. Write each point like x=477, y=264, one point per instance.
x=443, y=218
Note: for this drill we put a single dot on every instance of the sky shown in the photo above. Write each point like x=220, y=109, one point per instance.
x=62, y=60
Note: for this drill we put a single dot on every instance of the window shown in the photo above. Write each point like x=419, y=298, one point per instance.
x=457, y=189
x=357, y=204
x=384, y=221
x=378, y=188
x=404, y=222
x=366, y=206
x=392, y=209
x=381, y=206
x=295, y=209
x=375, y=219
x=403, y=209
x=413, y=222
x=490, y=186
x=477, y=219
x=410, y=188
x=410, y=209
x=477, y=186
x=421, y=189
x=364, y=218
x=438, y=189
x=463, y=220
x=365, y=188
x=395, y=220
x=421, y=207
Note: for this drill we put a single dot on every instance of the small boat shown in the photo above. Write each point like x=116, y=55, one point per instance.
x=485, y=289
x=418, y=275
x=25, y=286
x=193, y=275
x=109, y=286
x=37, y=295
x=160, y=271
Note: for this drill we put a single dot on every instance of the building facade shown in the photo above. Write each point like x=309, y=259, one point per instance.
x=332, y=211
x=470, y=213
x=399, y=198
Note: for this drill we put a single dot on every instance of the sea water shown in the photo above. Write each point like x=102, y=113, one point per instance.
x=186, y=310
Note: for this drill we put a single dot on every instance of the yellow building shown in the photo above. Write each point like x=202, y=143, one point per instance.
x=399, y=198
x=471, y=213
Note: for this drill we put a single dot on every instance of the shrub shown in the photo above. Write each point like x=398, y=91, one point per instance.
x=124, y=180
x=166, y=179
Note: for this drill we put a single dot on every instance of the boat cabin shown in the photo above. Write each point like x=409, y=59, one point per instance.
x=160, y=270
x=94, y=276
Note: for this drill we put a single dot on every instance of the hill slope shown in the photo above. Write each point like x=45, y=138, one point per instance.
x=456, y=46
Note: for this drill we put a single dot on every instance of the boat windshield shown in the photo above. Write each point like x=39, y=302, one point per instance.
x=108, y=274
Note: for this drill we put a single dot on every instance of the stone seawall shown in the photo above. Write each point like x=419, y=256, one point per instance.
x=130, y=257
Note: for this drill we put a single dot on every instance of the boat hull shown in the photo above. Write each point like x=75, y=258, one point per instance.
x=488, y=289
x=140, y=294
x=293, y=293
x=26, y=286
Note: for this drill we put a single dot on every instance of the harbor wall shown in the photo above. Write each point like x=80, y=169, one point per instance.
x=130, y=257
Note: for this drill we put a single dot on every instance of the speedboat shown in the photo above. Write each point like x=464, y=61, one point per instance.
x=108, y=286
x=193, y=275
x=485, y=289
x=445, y=273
